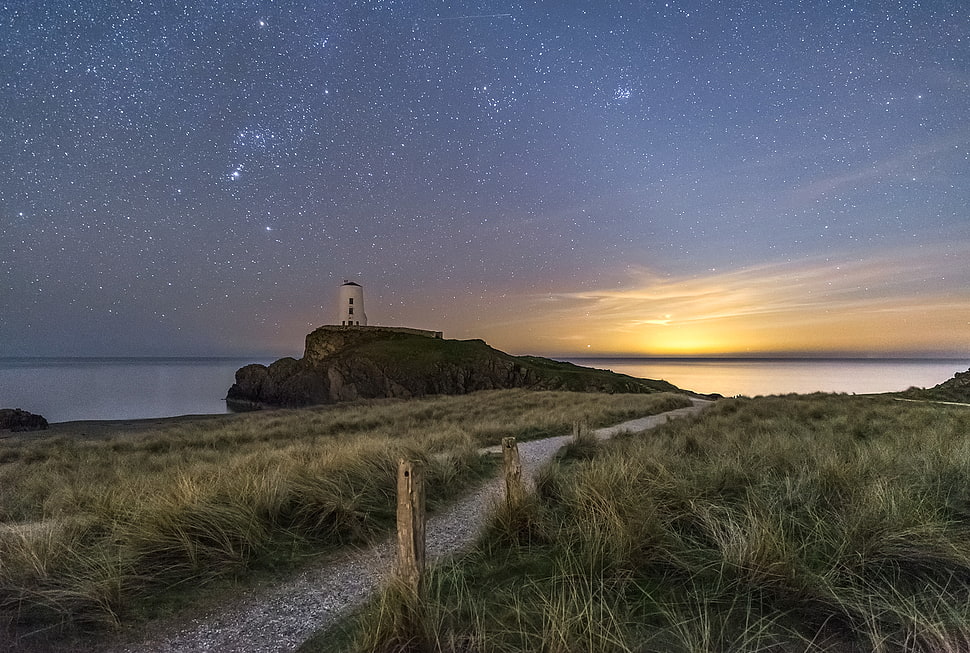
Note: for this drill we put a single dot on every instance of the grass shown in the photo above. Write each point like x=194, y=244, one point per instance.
x=421, y=357
x=816, y=523
x=99, y=533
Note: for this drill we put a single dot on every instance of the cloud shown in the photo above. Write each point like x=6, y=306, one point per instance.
x=904, y=300
x=899, y=165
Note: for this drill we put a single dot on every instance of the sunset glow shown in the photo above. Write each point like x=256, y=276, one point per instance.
x=859, y=307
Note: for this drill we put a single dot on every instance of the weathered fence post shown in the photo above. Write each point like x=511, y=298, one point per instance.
x=410, y=524
x=514, y=492
x=581, y=430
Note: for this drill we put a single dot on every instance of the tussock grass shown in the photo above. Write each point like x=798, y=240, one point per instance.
x=97, y=532
x=815, y=523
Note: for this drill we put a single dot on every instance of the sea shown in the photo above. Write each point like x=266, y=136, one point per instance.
x=68, y=389
x=773, y=376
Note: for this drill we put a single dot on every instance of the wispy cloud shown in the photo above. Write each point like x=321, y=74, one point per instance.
x=903, y=300
x=898, y=165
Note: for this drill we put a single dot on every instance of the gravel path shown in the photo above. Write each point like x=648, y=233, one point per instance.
x=282, y=617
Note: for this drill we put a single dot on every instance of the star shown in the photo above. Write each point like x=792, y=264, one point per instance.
x=567, y=155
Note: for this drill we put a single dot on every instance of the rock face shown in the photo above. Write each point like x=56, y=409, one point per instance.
x=15, y=419
x=956, y=389
x=347, y=363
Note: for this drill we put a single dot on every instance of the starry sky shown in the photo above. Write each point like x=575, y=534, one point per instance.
x=557, y=177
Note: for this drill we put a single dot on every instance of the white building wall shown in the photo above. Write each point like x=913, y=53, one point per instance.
x=351, y=308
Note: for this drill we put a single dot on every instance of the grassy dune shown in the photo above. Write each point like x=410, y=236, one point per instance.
x=98, y=532
x=818, y=523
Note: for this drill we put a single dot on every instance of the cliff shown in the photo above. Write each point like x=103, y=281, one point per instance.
x=956, y=389
x=347, y=363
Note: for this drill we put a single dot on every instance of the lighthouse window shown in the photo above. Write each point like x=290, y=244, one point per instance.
x=351, y=310
x=351, y=300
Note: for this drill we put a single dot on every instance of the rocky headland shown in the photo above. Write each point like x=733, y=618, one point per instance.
x=956, y=389
x=15, y=419
x=347, y=363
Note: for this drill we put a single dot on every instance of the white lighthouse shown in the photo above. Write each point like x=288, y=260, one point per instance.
x=351, y=308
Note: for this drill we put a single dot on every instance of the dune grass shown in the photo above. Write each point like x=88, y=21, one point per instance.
x=816, y=523
x=99, y=532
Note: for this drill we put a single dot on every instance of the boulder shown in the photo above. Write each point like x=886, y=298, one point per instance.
x=14, y=419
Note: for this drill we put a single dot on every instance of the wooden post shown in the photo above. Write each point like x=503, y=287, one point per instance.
x=410, y=524
x=514, y=492
x=581, y=430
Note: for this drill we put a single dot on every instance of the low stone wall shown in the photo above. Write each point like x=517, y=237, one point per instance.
x=408, y=330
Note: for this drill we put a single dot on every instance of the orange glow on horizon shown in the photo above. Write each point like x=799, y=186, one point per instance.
x=887, y=306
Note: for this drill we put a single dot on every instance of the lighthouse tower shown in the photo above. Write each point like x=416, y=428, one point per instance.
x=351, y=307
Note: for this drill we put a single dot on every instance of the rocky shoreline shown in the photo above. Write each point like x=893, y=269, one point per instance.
x=18, y=421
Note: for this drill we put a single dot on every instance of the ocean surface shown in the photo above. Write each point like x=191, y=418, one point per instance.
x=754, y=377
x=66, y=389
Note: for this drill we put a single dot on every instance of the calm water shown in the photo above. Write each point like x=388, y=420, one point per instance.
x=765, y=377
x=64, y=389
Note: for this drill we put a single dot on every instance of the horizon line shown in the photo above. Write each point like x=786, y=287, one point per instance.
x=794, y=357
x=579, y=356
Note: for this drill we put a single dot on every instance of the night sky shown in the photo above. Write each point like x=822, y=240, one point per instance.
x=561, y=177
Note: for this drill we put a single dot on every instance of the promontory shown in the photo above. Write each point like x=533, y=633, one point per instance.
x=344, y=363
x=955, y=390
